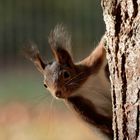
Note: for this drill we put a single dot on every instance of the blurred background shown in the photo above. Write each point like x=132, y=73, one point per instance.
x=27, y=110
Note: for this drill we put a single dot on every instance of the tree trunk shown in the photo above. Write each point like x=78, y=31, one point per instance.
x=122, y=19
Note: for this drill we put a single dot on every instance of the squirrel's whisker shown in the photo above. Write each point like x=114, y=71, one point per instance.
x=73, y=78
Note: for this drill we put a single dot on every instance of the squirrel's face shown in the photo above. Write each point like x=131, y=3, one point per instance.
x=60, y=79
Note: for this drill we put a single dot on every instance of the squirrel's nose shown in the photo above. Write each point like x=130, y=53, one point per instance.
x=58, y=94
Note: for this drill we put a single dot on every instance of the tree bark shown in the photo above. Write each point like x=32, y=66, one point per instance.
x=122, y=19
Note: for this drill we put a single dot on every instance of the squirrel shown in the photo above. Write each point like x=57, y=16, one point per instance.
x=84, y=85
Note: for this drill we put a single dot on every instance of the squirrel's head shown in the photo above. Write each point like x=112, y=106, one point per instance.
x=62, y=76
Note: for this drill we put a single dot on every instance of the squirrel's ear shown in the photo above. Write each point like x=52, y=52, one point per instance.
x=62, y=56
x=31, y=52
x=60, y=42
x=96, y=59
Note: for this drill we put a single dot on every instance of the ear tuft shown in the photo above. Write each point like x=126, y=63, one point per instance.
x=60, y=38
x=31, y=52
x=60, y=42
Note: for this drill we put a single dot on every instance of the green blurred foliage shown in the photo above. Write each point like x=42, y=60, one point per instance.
x=22, y=20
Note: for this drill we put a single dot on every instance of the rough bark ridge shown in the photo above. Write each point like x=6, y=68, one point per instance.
x=122, y=18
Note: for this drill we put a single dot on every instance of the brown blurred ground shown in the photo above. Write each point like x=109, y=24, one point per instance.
x=19, y=122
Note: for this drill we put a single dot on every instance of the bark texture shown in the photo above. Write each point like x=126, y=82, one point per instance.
x=122, y=19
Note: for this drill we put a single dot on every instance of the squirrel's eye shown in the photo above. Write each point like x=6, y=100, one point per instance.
x=66, y=74
x=45, y=85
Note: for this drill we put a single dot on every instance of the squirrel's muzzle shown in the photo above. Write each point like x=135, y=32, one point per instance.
x=60, y=94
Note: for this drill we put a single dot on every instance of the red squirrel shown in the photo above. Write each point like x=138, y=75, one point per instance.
x=82, y=85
